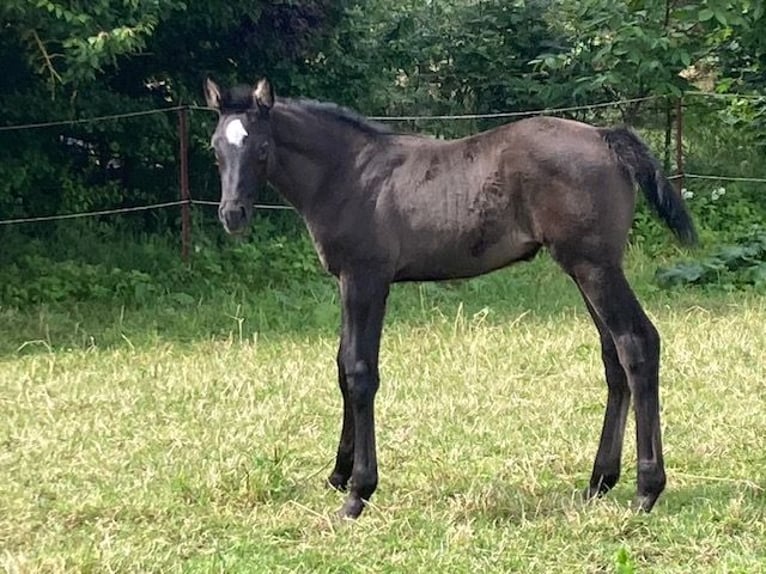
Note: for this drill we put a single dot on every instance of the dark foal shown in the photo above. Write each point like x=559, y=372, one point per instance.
x=383, y=207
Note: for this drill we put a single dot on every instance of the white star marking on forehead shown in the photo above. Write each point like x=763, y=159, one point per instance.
x=235, y=132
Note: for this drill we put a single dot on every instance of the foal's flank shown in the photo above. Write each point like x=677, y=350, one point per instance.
x=383, y=207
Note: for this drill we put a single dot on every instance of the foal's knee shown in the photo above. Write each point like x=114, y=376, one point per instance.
x=609, y=355
x=639, y=350
x=362, y=380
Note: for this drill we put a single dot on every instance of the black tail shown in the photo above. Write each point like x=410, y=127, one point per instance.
x=644, y=169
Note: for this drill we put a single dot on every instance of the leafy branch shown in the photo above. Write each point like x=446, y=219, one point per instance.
x=47, y=58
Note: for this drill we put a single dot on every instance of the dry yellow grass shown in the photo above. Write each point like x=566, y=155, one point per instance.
x=154, y=454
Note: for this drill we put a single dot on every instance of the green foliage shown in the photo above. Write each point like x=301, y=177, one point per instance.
x=70, y=43
x=720, y=214
x=65, y=60
x=265, y=259
x=725, y=212
x=55, y=281
x=101, y=264
x=720, y=139
x=743, y=61
x=637, y=48
x=459, y=56
x=728, y=267
x=388, y=57
x=623, y=563
x=76, y=60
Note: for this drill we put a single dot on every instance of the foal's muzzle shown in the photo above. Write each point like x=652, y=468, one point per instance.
x=234, y=215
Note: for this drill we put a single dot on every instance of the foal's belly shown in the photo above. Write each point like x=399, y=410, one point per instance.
x=430, y=260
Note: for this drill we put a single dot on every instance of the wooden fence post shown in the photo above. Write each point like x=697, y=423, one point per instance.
x=183, y=136
x=669, y=121
x=680, y=144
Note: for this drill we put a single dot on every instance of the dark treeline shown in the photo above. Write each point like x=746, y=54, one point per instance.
x=63, y=59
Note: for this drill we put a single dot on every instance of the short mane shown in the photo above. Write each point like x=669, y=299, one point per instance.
x=240, y=99
x=341, y=114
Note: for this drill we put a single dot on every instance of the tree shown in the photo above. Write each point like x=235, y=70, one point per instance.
x=64, y=60
x=70, y=43
x=640, y=47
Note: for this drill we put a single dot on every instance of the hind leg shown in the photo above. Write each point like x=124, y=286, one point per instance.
x=637, y=345
x=606, y=468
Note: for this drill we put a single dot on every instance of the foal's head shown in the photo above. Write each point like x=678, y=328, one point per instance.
x=242, y=143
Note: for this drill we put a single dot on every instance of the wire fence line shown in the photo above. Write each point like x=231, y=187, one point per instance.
x=722, y=177
x=277, y=207
x=497, y=115
x=718, y=96
x=124, y=210
x=492, y=115
x=38, y=125
x=80, y=214
x=426, y=117
x=280, y=207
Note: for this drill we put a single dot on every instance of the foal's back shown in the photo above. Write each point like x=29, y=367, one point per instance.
x=465, y=207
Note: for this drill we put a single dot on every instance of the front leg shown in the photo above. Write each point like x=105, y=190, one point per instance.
x=363, y=297
x=344, y=459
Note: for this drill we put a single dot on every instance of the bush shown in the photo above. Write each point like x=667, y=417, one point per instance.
x=88, y=261
x=732, y=266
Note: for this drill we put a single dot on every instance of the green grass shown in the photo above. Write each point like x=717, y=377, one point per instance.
x=195, y=437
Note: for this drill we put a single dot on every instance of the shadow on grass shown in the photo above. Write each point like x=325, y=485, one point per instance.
x=311, y=309
x=497, y=502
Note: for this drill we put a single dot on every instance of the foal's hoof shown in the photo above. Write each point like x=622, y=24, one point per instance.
x=600, y=488
x=596, y=491
x=337, y=481
x=645, y=502
x=592, y=493
x=352, y=508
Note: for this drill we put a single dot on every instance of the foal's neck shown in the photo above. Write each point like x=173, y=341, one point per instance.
x=310, y=152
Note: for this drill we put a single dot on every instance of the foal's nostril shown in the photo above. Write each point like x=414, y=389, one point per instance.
x=232, y=216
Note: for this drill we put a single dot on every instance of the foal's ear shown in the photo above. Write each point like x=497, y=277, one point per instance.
x=212, y=94
x=263, y=94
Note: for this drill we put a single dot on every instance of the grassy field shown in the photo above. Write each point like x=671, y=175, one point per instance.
x=195, y=437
